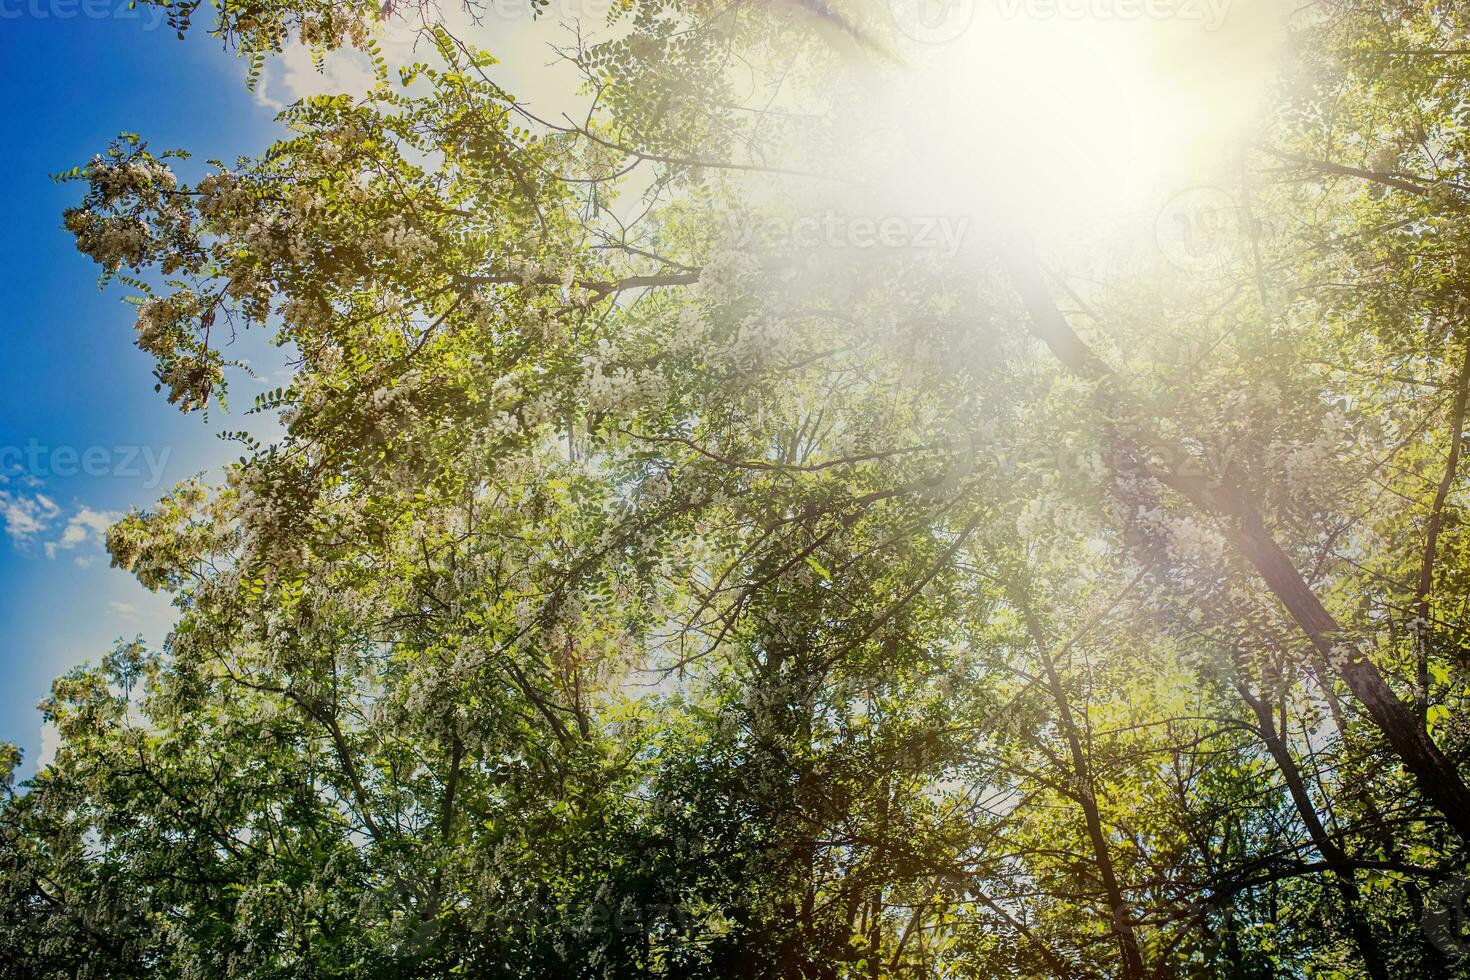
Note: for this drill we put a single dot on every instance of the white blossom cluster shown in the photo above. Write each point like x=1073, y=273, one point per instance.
x=306, y=202
x=1048, y=512
x=537, y=323
x=726, y=276
x=407, y=245
x=219, y=193
x=112, y=241
x=158, y=318
x=273, y=242
x=1343, y=655
x=1306, y=465
x=1193, y=549
x=691, y=333
x=308, y=313
x=762, y=339
x=259, y=517
x=1194, y=545
x=138, y=177
x=607, y=387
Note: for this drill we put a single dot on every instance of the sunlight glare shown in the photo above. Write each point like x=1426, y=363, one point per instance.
x=1049, y=126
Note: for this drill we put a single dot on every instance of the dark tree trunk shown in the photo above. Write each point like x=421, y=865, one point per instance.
x=1399, y=723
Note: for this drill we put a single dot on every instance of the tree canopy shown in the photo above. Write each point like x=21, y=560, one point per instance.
x=635, y=585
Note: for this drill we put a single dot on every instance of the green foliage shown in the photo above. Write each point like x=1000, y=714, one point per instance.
x=625, y=600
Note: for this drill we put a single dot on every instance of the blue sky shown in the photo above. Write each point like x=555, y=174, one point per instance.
x=71, y=380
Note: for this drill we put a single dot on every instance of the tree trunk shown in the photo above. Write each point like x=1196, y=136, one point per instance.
x=1358, y=926
x=1399, y=723
x=1431, y=536
x=1123, y=929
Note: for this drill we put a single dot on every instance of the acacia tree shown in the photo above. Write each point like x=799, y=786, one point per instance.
x=627, y=597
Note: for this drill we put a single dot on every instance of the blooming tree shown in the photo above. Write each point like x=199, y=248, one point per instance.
x=621, y=595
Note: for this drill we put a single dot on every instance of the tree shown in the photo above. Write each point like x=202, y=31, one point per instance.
x=628, y=594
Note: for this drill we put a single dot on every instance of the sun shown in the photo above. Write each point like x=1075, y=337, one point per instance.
x=1053, y=119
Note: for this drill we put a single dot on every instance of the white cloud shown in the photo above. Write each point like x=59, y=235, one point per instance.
x=50, y=742
x=30, y=516
x=293, y=72
x=125, y=610
x=86, y=524
x=510, y=29
x=25, y=517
